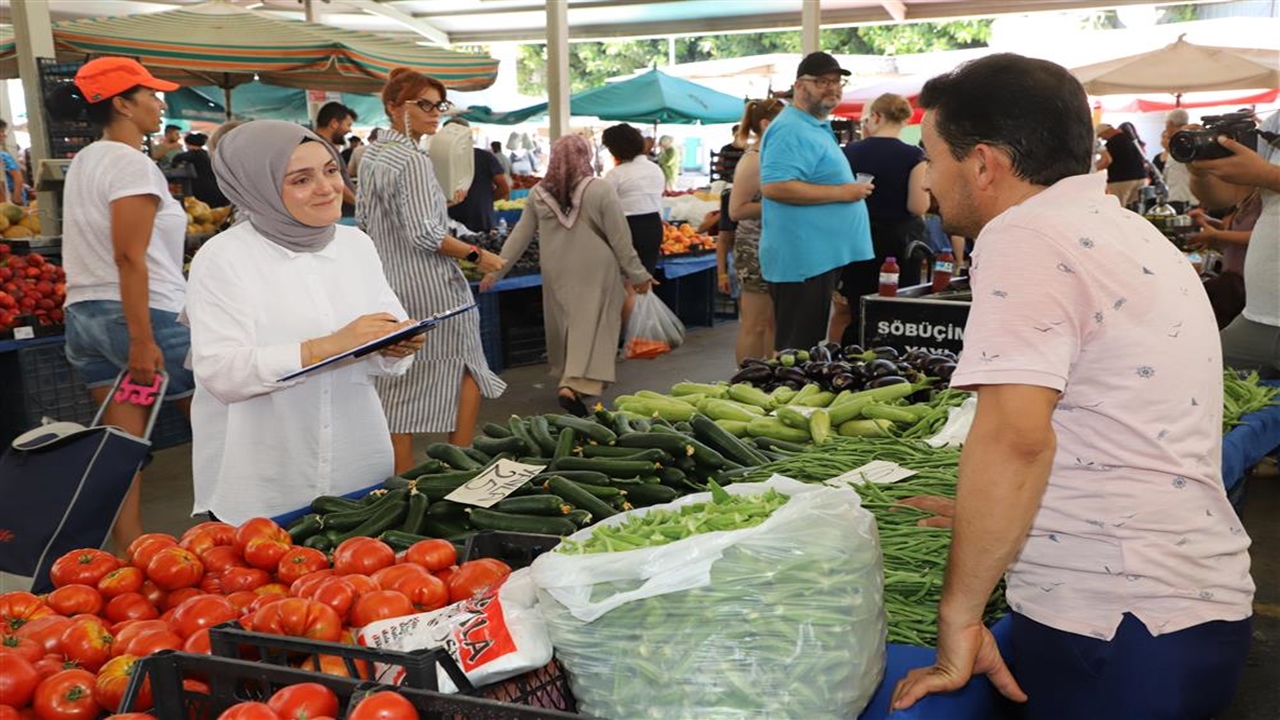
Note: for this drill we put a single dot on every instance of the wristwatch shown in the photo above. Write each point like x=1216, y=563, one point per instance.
x=474, y=255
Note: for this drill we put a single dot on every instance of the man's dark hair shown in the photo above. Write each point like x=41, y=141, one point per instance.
x=623, y=141
x=331, y=111
x=1031, y=109
x=495, y=146
x=170, y=128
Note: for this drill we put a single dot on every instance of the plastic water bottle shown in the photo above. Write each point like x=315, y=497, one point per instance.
x=889, y=273
x=943, y=267
x=502, y=227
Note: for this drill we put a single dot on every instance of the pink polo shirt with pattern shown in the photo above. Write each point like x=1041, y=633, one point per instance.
x=1074, y=293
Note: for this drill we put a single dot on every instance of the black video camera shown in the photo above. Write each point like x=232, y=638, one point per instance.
x=1188, y=145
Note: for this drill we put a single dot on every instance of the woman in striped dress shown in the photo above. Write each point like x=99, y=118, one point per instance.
x=401, y=206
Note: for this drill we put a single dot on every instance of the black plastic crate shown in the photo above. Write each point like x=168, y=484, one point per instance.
x=530, y=350
x=515, y=549
x=726, y=308
x=66, y=138
x=233, y=680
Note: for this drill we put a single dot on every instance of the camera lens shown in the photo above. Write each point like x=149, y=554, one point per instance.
x=1184, y=144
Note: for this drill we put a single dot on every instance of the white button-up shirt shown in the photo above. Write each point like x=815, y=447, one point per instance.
x=262, y=447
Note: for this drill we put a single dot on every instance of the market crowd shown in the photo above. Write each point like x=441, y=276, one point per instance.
x=1090, y=479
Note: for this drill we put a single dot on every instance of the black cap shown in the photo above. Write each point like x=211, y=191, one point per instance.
x=819, y=63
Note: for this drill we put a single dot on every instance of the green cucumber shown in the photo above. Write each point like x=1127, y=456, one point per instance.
x=399, y=540
x=674, y=444
x=397, y=482
x=319, y=542
x=348, y=519
x=820, y=426
x=326, y=504
x=565, y=443
x=540, y=430
x=436, y=488
x=386, y=516
x=497, y=446
x=710, y=432
x=452, y=456
x=818, y=400
x=774, y=428
x=725, y=410
x=670, y=411
x=590, y=477
x=483, y=519
x=865, y=428
x=621, y=453
x=605, y=492
x=705, y=456
x=621, y=423
x=551, y=505
x=745, y=393
x=496, y=431
x=610, y=467
x=415, y=513
x=792, y=418
x=446, y=509
x=806, y=392
x=585, y=428
x=304, y=527
x=430, y=466
x=578, y=517
x=446, y=528
x=478, y=455
x=646, y=495
x=735, y=428
x=576, y=496
x=782, y=394
x=880, y=411
x=775, y=445
x=692, y=388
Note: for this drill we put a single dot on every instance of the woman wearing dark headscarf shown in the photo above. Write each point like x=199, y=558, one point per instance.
x=586, y=250
x=284, y=289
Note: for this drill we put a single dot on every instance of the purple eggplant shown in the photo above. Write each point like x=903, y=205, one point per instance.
x=884, y=352
x=843, y=381
x=787, y=375
x=820, y=353
x=879, y=368
x=944, y=371
x=754, y=374
x=887, y=380
x=849, y=352
x=753, y=361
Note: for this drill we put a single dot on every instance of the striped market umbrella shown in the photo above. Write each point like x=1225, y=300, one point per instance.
x=218, y=43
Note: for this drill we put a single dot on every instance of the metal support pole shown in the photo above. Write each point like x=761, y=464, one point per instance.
x=558, y=89
x=33, y=31
x=810, y=24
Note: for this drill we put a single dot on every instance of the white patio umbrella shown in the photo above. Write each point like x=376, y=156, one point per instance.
x=1183, y=67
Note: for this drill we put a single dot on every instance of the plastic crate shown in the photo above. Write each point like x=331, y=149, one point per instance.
x=490, y=328
x=725, y=307
x=232, y=680
x=66, y=138
x=515, y=549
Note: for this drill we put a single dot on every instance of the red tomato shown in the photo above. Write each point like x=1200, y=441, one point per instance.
x=130, y=606
x=201, y=543
x=140, y=550
x=380, y=605
x=66, y=696
x=75, y=599
x=236, y=579
x=249, y=711
x=52, y=665
x=18, y=680
x=446, y=573
x=198, y=643
x=155, y=595
x=362, y=555
x=258, y=527
x=304, y=701
x=300, y=586
x=300, y=618
x=128, y=633
x=127, y=579
x=298, y=562
x=20, y=646
x=88, y=642
x=385, y=705
x=362, y=583
x=221, y=557
x=173, y=568
x=336, y=592
x=203, y=611
x=261, y=601
x=266, y=551
x=177, y=597
x=335, y=665
x=113, y=679
x=19, y=608
x=427, y=592
x=241, y=600
x=11, y=713
x=151, y=642
x=85, y=566
x=133, y=716
x=387, y=577
x=434, y=555
x=224, y=533
x=273, y=589
x=47, y=631
x=476, y=577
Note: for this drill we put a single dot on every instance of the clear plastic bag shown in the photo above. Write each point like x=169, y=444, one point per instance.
x=653, y=329
x=781, y=620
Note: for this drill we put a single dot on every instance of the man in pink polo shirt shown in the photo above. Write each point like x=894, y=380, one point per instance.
x=1091, y=476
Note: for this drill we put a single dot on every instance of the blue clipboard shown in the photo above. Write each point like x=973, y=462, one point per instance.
x=373, y=346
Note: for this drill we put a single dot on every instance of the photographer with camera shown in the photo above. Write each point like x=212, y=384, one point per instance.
x=1219, y=159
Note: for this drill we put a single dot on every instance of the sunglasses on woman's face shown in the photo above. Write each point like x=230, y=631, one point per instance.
x=427, y=106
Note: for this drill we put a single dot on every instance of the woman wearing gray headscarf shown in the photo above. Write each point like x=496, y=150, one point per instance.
x=284, y=289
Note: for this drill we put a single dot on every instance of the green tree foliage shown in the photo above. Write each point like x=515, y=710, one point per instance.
x=590, y=63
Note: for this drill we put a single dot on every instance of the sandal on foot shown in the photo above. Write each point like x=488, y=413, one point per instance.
x=572, y=402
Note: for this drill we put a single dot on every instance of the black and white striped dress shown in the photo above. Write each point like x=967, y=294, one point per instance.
x=401, y=206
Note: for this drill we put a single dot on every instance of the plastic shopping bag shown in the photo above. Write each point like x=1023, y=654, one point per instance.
x=653, y=329
x=781, y=620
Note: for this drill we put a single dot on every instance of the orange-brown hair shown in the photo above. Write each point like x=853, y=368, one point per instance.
x=893, y=108
x=753, y=117
x=405, y=84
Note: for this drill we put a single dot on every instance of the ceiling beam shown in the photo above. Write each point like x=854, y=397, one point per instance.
x=896, y=9
x=538, y=7
x=416, y=24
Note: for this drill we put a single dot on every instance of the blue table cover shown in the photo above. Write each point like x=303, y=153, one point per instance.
x=1247, y=443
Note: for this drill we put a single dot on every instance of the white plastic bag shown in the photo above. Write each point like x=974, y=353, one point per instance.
x=494, y=636
x=653, y=328
x=781, y=620
x=959, y=420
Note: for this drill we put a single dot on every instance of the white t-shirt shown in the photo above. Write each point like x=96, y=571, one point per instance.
x=1262, y=264
x=639, y=185
x=101, y=173
x=261, y=447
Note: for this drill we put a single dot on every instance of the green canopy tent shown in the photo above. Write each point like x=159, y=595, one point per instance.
x=261, y=101
x=651, y=98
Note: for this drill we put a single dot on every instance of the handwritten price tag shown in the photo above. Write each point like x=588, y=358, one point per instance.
x=880, y=472
x=500, y=480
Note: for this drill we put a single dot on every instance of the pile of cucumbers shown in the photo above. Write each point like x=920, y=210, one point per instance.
x=596, y=467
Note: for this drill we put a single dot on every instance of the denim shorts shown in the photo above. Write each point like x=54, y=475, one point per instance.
x=97, y=344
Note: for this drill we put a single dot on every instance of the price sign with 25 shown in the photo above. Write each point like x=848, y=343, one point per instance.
x=495, y=483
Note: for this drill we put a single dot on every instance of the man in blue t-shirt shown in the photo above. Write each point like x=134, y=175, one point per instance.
x=814, y=222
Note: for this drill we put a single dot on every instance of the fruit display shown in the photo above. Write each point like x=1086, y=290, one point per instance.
x=516, y=204
x=202, y=219
x=835, y=369
x=699, y=194
x=19, y=223
x=528, y=264
x=32, y=290
x=684, y=240
x=524, y=182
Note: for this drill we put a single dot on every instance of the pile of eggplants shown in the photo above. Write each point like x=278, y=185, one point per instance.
x=838, y=368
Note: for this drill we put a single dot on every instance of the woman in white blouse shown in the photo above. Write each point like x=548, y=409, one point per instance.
x=639, y=184
x=284, y=289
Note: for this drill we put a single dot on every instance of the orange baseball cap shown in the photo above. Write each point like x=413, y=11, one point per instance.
x=104, y=78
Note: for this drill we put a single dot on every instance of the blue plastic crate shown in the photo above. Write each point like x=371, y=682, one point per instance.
x=490, y=328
